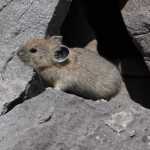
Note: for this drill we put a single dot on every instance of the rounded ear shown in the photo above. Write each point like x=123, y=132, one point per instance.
x=56, y=38
x=61, y=55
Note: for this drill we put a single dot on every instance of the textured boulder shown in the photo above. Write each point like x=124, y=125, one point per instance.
x=57, y=121
x=137, y=19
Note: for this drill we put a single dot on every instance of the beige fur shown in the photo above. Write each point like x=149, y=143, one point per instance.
x=84, y=73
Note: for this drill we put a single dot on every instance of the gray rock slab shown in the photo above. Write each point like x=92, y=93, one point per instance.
x=137, y=20
x=134, y=5
x=16, y=78
x=55, y=120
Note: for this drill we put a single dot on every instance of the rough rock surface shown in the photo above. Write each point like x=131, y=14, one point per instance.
x=137, y=18
x=54, y=120
x=57, y=121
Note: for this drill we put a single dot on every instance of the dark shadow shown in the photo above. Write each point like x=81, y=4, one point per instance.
x=57, y=18
x=113, y=38
x=114, y=41
x=75, y=29
x=138, y=89
x=137, y=78
x=36, y=86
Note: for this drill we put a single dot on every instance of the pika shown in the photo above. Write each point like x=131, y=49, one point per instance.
x=79, y=71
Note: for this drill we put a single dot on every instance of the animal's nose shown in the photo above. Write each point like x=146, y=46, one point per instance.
x=20, y=53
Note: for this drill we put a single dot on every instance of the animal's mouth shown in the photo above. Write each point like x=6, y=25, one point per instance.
x=43, y=68
x=23, y=56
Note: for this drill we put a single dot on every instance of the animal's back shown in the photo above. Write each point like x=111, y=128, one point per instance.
x=98, y=76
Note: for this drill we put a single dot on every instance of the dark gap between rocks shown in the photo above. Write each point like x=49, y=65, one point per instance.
x=36, y=86
x=57, y=18
x=75, y=29
x=9, y=106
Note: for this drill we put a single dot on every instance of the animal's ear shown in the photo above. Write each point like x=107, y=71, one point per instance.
x=61, y=55
x=56, y=38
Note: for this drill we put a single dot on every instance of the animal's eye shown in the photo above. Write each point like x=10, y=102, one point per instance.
x=33, y=50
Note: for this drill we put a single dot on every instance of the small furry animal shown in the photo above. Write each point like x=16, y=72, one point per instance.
x=74, y=70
